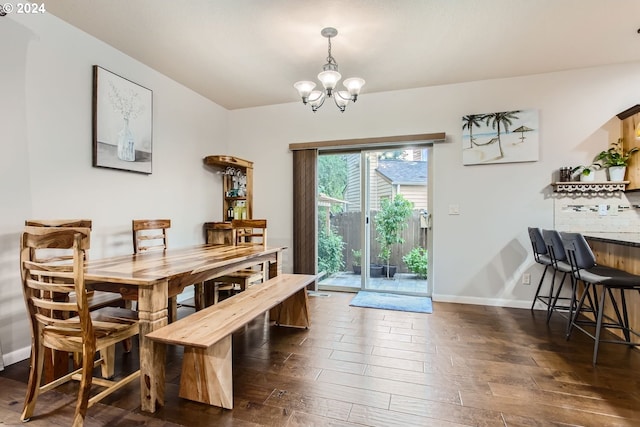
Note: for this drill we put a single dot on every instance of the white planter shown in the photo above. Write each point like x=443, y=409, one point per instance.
x=587, y=178
x=616, y=173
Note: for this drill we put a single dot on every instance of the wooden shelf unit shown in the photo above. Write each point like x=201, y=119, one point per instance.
x=228, y=163
x=629, y=128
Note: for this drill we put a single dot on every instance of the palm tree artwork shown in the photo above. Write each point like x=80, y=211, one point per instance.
x=469, y=122
x=492, y=138
x=496, y=120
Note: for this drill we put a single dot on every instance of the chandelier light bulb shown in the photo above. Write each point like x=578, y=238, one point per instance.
x=329, y=80
x=353, y=85
x=304, y=89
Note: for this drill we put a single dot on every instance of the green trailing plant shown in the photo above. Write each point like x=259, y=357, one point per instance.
x=586, y=170
x=615, y=155
x=416, y=261
x=330, y=247
x=390, y=221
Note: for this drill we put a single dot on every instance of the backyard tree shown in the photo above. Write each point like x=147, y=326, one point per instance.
x=390, y=221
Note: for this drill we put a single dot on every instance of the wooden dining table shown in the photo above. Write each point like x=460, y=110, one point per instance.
x=150, y=278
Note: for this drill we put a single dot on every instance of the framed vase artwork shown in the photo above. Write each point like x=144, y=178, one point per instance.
x=122, y=123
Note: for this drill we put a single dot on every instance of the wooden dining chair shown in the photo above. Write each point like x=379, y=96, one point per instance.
x=151, y=235
x=95, y=299
x=245, y=232
x=57, y=303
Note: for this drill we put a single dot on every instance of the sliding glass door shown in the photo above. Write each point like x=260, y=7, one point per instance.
x=373, y=221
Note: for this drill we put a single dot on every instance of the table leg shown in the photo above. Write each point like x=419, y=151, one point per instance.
x=152, y=312
x=275, y=268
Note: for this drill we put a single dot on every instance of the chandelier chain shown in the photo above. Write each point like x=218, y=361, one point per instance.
x=330, y=58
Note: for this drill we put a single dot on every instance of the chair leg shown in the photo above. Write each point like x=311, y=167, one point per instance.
x=535, y=298
x=599, y=325
x=198, y=296
x=625, y=315
x=127, y=344
x=552, y=306
x=108, y=356
x=572, y=304
x=35, y=378
x=82, y=404
x=576, y=312
x=550, y=296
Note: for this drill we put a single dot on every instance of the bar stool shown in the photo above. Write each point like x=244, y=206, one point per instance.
x=541, y=256
x=560, y=264
x=584, y=269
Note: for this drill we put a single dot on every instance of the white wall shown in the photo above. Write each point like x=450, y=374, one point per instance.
x=45, y=110
x=480, y=255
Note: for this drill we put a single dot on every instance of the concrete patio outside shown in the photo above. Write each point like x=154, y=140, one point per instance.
x=401, y=282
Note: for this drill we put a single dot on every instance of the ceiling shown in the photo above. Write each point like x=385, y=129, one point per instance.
x=248, y=53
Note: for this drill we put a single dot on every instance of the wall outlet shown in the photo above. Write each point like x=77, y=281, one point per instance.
x=526, y=279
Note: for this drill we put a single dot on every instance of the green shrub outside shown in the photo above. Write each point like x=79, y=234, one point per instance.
x=416, y=261
x=330, y=256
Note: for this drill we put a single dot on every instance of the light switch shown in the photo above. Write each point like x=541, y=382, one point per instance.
x=454, y=210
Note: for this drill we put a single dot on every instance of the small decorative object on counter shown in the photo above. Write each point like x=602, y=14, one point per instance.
x=565, y=174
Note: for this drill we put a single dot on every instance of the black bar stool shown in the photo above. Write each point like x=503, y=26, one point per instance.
x=541, y=256
x=584, y=269
x=560, y=264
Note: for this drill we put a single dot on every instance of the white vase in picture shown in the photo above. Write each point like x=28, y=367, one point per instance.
x=587, y=178
x=126, y=144
x=616, y=173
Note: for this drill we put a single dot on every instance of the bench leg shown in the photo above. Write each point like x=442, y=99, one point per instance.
x=294, y=311
x=207, y=374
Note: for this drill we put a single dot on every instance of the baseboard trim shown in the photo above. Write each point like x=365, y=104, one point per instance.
x=494, y=302
x=16, y=356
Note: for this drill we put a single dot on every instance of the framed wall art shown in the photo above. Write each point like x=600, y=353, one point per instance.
x=502, y=137
x=122, y=123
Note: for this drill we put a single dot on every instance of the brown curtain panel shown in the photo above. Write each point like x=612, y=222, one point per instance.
x=304, y=211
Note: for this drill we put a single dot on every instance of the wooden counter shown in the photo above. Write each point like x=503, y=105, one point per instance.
x=622, y=251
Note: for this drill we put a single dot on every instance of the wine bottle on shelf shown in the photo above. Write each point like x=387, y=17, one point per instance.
x=230, y=213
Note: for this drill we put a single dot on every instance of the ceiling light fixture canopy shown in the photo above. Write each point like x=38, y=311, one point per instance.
x=329, y=77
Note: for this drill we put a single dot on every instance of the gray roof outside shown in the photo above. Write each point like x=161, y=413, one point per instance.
x=403, y=172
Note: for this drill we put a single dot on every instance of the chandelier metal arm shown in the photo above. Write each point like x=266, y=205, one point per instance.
x=352, y=98
x=315, y=108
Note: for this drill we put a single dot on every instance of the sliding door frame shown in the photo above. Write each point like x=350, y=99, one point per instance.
x=305, y=157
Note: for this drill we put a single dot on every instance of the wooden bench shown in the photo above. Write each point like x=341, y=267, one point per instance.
x=206, y=335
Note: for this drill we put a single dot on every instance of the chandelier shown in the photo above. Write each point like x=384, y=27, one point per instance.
x=329, y=77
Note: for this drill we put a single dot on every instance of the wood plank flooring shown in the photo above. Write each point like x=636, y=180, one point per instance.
x=463, y=365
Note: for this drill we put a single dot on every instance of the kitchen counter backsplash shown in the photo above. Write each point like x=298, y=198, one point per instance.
x=618, y=213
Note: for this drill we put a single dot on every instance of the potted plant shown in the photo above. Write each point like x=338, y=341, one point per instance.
x=355, y=264
x=416, y=261
x=585, y=173
x=615, y=159
x=390, y=221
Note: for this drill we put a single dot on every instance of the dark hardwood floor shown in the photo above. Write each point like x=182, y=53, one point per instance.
x=463, y=365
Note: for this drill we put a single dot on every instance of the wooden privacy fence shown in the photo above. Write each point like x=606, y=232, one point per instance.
x=347, y=224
